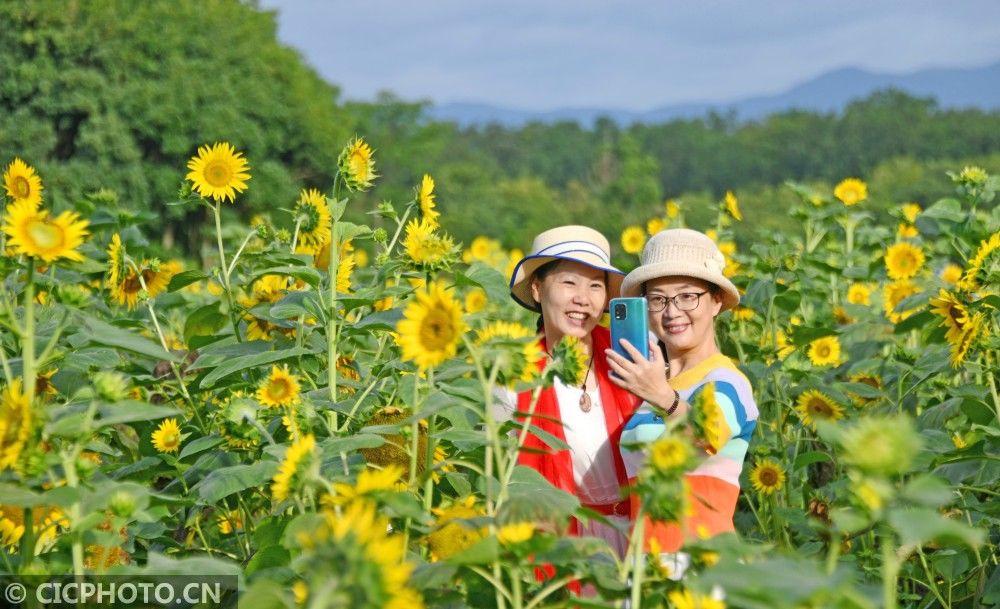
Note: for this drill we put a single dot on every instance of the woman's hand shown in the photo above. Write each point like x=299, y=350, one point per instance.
x=646, y=378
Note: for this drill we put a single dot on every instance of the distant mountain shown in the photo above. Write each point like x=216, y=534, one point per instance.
x=829, y=92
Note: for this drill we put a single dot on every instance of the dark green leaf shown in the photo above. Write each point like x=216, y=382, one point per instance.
x=185, y=278
x=250, y=361
x=228, y=480
x=102, y=333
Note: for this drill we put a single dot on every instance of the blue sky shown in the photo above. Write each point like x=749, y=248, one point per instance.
x=636, y=55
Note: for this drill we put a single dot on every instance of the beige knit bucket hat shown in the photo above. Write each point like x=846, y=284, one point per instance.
x=576, y=243
x=682, y=252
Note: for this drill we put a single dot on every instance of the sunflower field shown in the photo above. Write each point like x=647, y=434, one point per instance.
x=312, y=412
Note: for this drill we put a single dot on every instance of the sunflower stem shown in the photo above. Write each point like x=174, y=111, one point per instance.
x=991, y=379
x=399, y=229
x=638, y=564
x=226, y=283
x=232, y=263
x=28, y=337
x=173, y=365
x=332, y=331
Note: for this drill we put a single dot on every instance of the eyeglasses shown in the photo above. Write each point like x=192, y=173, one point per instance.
x=685, y=301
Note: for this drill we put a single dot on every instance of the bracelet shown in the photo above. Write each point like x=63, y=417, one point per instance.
x=673, y=407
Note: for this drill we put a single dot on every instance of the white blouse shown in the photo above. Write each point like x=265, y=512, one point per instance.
x=587, y=436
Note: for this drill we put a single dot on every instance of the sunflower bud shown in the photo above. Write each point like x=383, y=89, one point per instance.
x=111, y=386
x=386, y=210
x=380, y=235
x=283, y=236
x=356, y=165
x=881, y=445
x=122, y=504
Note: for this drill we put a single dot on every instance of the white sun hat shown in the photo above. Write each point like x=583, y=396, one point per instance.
x=576, y=243
x=682, y=252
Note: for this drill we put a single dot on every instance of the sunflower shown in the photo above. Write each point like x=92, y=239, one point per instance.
x=369, y=481
x=22, y=183
x=475, y=300
x=670, y=454
x=824, y=351
x=43, y=384
x=426, y=199
x=951, y=274
x=116, y=260
x=894, y=294
x=344, y=269
x=972, y=175
x=633, y=238
x=424, y=246
x=280, y=388
x=450, y=535
x=655, y=225
x=983, y=265
x=15, y=424
x=167, y=437
x=313, y=217
x=431, y=327
x=954, y=315
x=767, y=476
x=907, y=231
x=295, y=468
x=219, y=172
x=515, y=533
x=865, y=378
x=733, y=206
x=356, y=165
x=481, y=248
x=34, y=232
x=236, y=421
x=859, y=294
x=841, y=316
x=229, y=521
x=571, y=360
x=742, y=313
x=903, y=260
x=685, y=599
x=851, y=191
x=155, y=276
x=784, y=346
x=815, y=405
x=707, y=419
x=910, y=211
x=672, y=209
x=521, y=365
x=971, y=330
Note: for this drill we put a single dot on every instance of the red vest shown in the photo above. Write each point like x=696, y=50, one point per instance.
x=556, y=466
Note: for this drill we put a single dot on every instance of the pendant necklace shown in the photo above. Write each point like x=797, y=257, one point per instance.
x=585, y=403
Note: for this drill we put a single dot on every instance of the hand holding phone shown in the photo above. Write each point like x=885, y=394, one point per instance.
x=630, y=321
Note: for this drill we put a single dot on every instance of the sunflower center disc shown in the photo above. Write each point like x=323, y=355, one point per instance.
x=45, y=235
x=22, y=189
x=218, y=174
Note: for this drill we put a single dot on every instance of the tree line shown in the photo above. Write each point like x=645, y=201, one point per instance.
x=109, y=98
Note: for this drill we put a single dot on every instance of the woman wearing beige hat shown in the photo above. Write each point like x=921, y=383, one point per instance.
x=681, y=276
x=568, y=279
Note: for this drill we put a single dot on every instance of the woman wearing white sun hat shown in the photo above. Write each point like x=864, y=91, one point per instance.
x=682, y=278
x=568, y=278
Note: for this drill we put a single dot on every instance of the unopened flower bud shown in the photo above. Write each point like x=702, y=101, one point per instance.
x=122, y=503
x=111, y=386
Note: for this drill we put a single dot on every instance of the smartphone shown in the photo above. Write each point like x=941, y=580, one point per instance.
x=629, y=321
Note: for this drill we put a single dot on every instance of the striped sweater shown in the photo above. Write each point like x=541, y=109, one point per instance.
x=716, y=480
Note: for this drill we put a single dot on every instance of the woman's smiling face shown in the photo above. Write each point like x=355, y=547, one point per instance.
x=684, y=331
x=572, y=296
